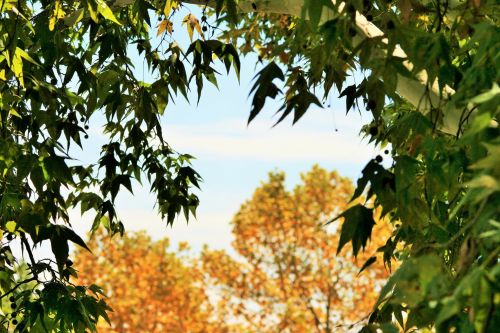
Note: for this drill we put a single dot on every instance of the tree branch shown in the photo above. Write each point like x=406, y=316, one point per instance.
x=30, y=254
x=328, y=307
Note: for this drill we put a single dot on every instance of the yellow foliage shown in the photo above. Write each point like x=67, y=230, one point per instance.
x=286, y=277
x=290, y=278
x=150, y=289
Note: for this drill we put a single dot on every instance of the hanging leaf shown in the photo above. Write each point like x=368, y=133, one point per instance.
x=357, y=227
x=192, y=24
x=162, y=26
x=367, y=264
x=264, y=87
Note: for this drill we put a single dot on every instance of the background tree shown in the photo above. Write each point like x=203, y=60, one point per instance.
x=291, y=279
x=287, y=276
x=150, y=288
x=430, y=74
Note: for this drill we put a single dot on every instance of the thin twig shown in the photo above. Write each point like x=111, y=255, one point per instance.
x=17, y=286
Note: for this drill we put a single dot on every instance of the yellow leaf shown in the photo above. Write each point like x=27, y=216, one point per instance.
x=192, y=23
x=165, y=25
x=170, y=26
x=52, y=23
x=2, y=75
x=190, y=32
x=169, y=5
x=198, y=28
x=56, y=15
x=26, y=56
x=92, y=12
x=189, y=27
x=6, y=6
x=14, y=113
x=424, y=18
x=17, y=67
x=10, y=226
x=161, y=27
x=105, y=11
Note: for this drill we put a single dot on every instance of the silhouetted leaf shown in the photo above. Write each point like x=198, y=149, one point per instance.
x=357, y=227
x=264, y=87
x=367, y=264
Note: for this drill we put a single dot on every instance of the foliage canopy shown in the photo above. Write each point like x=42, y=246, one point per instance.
x=430, y=80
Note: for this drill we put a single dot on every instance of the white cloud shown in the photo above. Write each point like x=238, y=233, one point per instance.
x=316, y=140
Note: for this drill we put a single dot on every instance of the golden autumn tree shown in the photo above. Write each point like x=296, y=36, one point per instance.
x=290, y=278
x=151, y=289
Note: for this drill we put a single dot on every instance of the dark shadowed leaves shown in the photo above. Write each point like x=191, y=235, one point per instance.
x=264, y=87
x=367, y=264
x=357, y=227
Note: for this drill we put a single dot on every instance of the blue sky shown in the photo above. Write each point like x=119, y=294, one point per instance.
x=233, y=158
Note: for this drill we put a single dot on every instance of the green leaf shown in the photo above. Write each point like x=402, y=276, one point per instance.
x=389, y=328
x=60, y=249
x=56, y=168
x=36, y=176
x=31, y=224
x=450, y=308
x=369, y=174
x=376, y=96
x=17, y=67
x=418, y=278
x=24, y=165
x=74, y=17
x=299, y=103
x=314, y=9
x=72, y=236
x=59, y=236
x=232, y=12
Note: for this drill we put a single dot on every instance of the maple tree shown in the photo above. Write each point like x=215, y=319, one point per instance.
x=427, y=72
x=150, y=287
x=287, y=276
